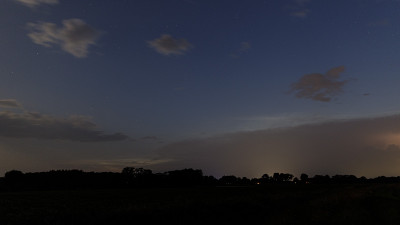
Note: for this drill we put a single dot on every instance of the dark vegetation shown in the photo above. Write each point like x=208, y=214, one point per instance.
x=139, y=177
x=138, y=196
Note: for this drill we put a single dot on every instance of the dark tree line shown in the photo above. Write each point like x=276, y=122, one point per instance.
x=138, y=177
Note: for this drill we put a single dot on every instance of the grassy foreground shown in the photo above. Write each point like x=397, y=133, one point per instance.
x=275, y=204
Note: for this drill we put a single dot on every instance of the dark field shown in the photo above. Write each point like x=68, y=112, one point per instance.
x=275, y=204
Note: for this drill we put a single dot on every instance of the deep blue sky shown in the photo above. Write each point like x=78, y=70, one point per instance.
x=100, y=85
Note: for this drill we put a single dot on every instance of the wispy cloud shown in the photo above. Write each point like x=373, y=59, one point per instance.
x=366, y=146
x=167, y=45
x=380, y=23
x=298, y=8
x=301, y=13
x=243, y=48
x=74, y=37
x=10, y=103
x=40, y=126
x=34, y=3
x=150, y=138
x=320, y=87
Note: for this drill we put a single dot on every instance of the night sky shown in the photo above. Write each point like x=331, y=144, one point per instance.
x=227, y=86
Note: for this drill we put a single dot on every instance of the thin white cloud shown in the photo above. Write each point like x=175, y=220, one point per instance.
x=74, y=37
x=34, y=3
x=10, y=103
x=167, y=45
x=320, y=87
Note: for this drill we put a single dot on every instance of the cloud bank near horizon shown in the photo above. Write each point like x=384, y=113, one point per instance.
x=40, y=126
x=10, y=103
x=364, y=147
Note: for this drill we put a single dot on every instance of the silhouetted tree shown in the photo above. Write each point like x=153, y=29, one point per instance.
x=265, y=179
x=185, y=177
x=304, y=178
x=344, y=179
x=245, y=181
x=282, y=177
x=135, y=172
x=13, y=175
x=136, y=176
x=209, y=181
x=320, y=179
x=287, y=177
x=139, y=177
x=276, y=177
x=228, y=180
x=14, y=179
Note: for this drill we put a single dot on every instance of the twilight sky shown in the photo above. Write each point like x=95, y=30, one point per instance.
x=227, y=86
